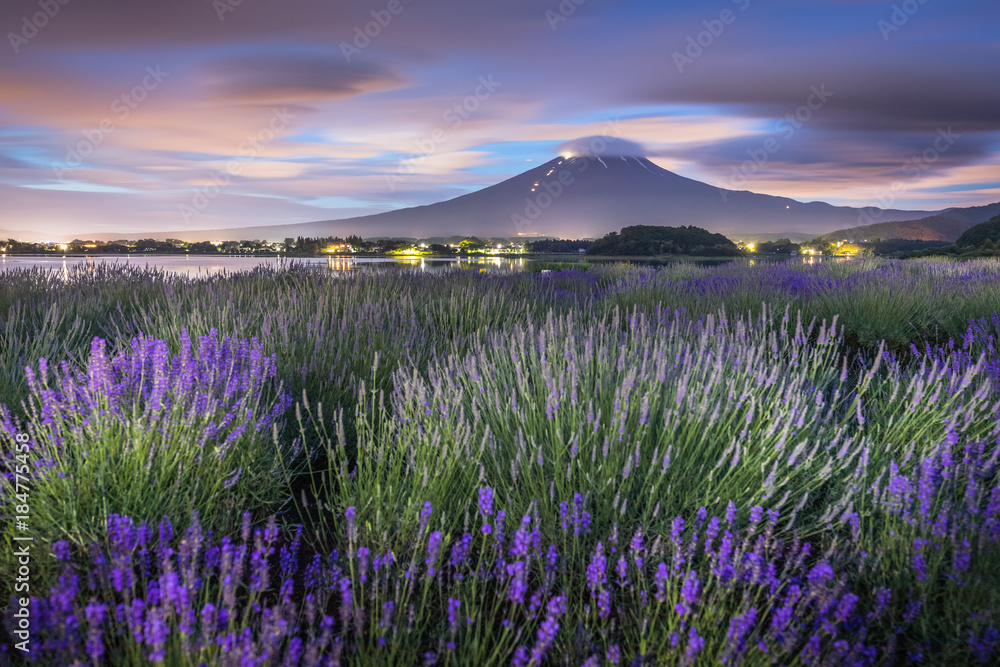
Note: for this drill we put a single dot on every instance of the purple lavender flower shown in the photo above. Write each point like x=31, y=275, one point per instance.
x=603, y=603
x=61, y=551
x=156, y=633
x=820, y=573
x=963, y=557
x=460, y=552
x=521, y=540
x=689, y=593
x=454, y=606
x=363, y=555
x=433, y=548
x=661, y=580
x=780, y=618
x=637, y=547
x=550, y=626
x=711, y=532
x=352, y=530
x=425, y=517
x=676, y=531
x=740, y=628
x=622, y=570
x=387, y=610
x=486, y=502
x=580, y=518
x=596, y=570
x=883, y=596
x=518, y=582
x=208, y=617
x=695, y=645
x=95, y=614
x=913, y=609
x=919, y=562
x=346, y=600
x=984, y=646
x=731, y=513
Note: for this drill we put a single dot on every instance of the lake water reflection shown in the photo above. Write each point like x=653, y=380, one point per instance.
x=207, y=265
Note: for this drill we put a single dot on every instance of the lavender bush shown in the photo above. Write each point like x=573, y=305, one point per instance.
x=651, y=416
x=744, y=464
x=731, y=588
x=151, y=433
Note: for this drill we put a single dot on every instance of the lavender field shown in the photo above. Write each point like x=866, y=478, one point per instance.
x=781, y=464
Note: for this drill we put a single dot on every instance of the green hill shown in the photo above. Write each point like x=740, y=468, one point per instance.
x=978, y=235
x=648, y=240
x=983, y=240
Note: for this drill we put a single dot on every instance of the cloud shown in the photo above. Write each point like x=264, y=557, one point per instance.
x=356, y=121
x=283, y=79
x=601, y=146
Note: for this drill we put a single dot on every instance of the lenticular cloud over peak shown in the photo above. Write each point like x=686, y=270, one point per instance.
x=601, y=146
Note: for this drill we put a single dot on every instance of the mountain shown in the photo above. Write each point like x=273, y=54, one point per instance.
x=579, y=197
x=947, y=225
x=25, y=236
x=981, y=233
x=979, y=241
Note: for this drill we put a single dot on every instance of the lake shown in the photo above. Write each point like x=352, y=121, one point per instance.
x=206, y=265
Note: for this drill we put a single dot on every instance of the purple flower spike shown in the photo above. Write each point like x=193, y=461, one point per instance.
x=352, y=531
x=433, y=548
x=486, y=502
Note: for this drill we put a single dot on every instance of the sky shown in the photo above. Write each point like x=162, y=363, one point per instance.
x=146, y=115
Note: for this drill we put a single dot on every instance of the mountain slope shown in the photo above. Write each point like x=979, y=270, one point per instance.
x=948, y=226
x=580, y=197
x=981, y=233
